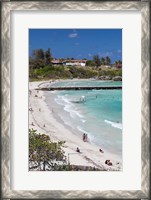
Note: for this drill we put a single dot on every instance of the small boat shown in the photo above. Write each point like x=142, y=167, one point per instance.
x=81, y=100
x=77, y=101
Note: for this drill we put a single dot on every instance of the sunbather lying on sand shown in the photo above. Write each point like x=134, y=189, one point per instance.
x=101, y=150
x=78, y=150
x=108, y=162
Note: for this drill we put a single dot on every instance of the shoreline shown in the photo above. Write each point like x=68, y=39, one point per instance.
x=54, y=127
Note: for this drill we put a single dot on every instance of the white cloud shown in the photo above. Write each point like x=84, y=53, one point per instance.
x=72, y=35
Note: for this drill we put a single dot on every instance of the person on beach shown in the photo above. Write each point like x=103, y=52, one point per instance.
x=44, y=125
x=39, y=109
x=83, y=137
x=78, y=150
x=108, y=162
x=30, y=109
x=32, y=124
x=101, y=150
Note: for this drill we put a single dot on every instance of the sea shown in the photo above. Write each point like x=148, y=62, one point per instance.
x=98, y=113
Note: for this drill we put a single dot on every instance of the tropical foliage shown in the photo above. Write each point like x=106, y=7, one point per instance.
x=97, y=60
x=64, y=72
x=40, y=59
x=41, y=68
x=45, y=153
x=110, y=72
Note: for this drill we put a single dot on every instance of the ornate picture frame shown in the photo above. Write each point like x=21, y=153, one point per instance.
x=7, y=7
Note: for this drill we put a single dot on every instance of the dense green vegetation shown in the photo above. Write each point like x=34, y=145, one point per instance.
x=40, y=59
x=40, y=67
x=101, y=61
x=65, y=72
x=42, y=151
x=110, y=72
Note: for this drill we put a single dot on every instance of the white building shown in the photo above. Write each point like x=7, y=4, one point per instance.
x=69, y=62
x=76, y=62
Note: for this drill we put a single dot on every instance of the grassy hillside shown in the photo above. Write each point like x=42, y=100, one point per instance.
x=68, y=72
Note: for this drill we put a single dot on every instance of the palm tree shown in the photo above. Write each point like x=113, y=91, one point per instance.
x=108, y=60
x=96, y=60
x=103, y=60
x=116, y=63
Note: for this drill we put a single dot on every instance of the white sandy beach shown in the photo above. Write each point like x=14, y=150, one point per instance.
x=89, y=156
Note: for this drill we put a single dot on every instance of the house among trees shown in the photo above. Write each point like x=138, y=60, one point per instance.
x=119, y=65
x=57, y=62
x=76, y=62
x=71, y=62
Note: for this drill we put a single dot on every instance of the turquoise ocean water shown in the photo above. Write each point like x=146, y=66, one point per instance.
x=100, y=115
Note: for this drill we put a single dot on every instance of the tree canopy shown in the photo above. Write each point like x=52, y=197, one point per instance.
x=40, y=58
x=101, y=61
x=108, y=60
x=96, y=60
x=43, y=152
x=48, y=57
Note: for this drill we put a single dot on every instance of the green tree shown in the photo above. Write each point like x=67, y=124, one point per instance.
x=48, y=57
x=103, y=61
x=39, y=54
x=31, y=62
x=38, y=59
x=90, y=63
x=108, y=60
x=96, y=60
x=44, y=152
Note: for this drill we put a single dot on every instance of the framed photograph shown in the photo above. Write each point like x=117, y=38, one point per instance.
x=75, y=100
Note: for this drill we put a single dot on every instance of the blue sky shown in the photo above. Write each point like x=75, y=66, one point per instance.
x=78, y=43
